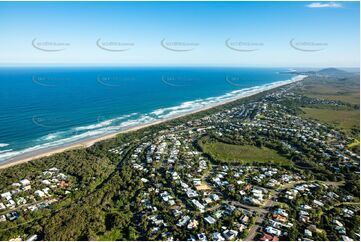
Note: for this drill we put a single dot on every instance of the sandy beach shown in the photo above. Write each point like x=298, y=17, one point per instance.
x=91, y=141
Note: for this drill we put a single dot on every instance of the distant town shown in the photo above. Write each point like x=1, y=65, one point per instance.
x=268, y=167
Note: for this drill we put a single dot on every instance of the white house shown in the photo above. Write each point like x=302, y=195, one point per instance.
x=25, y=182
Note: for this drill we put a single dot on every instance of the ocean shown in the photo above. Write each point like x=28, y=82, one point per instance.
x=42, y=108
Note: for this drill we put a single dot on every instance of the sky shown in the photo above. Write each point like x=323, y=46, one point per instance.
x=245, y=34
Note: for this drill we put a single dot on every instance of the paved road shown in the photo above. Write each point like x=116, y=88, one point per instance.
x=252, y=233
x=249, y=207
x=261, y=214
x=213, y=208
x=50, y=201
x=262, y=211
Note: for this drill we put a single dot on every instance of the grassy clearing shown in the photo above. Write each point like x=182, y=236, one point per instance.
x=332, y=91
x=111, y=235
x=351, y=97
x=243, y=154
x=355, y=143
x=340, y=118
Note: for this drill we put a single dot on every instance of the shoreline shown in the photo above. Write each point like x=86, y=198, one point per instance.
x=82, y=144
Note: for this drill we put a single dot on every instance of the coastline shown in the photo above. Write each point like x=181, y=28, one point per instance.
x=81, y=144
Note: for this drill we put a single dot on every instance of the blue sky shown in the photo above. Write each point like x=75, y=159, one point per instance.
x=262, y=34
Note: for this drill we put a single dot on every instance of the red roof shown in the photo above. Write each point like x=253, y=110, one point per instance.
x=267, y=237
x=275, y=238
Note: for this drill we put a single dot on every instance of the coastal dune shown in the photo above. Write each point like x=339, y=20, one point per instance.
x=87, y=142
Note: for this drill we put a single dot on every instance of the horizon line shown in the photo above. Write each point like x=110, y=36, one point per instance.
x=2, y=65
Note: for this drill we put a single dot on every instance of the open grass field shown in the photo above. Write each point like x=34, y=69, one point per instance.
x=355, y=143
x=346, y=97
x=243, y=154
x=347, y=91
x=343, y=119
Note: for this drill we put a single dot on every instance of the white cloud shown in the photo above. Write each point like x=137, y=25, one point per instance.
x=324, y=5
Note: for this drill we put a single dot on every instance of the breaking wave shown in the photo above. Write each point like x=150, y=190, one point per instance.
x=3, y=145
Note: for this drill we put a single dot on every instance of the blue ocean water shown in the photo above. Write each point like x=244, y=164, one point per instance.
x=49, y=107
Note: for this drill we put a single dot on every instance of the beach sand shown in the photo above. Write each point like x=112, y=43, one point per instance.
x=91, y=141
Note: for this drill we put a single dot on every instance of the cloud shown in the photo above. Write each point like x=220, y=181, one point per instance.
x=324, y=5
